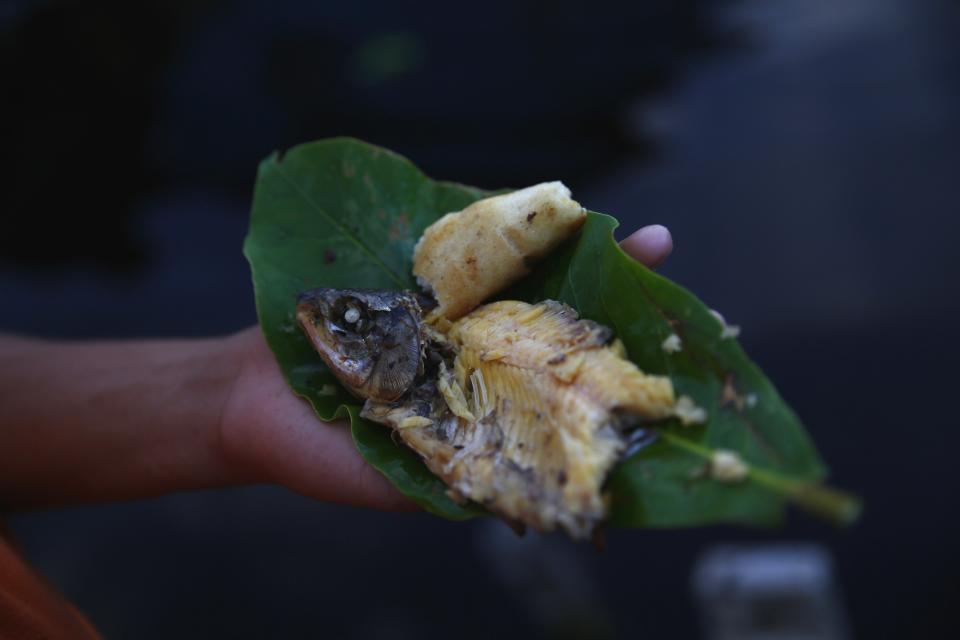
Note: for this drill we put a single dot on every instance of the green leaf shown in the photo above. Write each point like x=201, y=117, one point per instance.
x=342, y=213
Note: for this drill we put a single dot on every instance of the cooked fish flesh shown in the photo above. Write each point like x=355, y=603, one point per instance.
x=523, y=408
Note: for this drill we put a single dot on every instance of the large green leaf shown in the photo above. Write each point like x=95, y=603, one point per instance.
x=342, y=213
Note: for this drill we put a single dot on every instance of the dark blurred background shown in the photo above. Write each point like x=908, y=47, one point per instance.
x=805, y=154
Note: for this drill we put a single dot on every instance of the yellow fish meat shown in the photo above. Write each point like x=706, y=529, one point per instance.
x=522, y=408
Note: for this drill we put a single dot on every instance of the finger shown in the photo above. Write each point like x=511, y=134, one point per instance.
x=328, y=467
x=650, y=245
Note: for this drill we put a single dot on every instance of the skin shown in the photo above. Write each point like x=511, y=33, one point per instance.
x=101, y=421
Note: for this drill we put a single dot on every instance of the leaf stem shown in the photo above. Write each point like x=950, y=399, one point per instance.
x=837, y=506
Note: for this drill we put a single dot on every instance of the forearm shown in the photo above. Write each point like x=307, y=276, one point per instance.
x=85, y=422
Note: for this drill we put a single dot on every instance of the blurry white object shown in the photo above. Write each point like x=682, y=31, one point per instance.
x=780, y=592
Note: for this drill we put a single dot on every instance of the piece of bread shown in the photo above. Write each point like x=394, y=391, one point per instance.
x=467, y=256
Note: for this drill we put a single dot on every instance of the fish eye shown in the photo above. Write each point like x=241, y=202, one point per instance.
x=351, y=315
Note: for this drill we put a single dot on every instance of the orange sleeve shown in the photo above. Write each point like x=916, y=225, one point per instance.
x=30, y=609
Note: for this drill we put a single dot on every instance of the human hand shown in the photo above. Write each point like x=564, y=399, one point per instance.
x=267, y=434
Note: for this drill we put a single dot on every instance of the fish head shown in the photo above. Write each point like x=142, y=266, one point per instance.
x=372, y=341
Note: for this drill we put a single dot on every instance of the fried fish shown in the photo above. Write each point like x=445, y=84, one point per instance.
x=523, y=408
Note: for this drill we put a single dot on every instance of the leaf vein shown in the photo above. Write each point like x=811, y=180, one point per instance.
x=340, y=228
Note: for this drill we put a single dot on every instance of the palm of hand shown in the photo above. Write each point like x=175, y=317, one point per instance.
x=268, y=434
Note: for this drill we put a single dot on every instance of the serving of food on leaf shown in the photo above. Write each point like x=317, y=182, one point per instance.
x=500, y=354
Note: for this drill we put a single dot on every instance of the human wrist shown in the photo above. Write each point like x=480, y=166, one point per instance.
x=234, y=435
